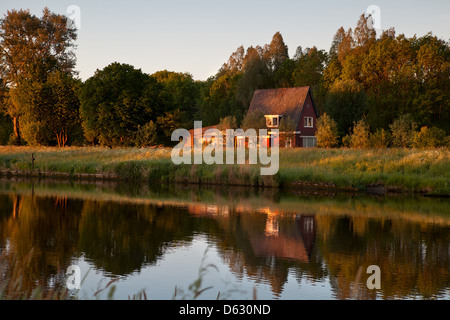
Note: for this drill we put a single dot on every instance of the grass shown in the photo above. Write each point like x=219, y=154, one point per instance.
x=406, y=170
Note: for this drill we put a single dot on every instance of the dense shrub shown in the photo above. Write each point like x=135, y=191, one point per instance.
x=327, y=132
x=380, y=139
x=360, y=137
x=403, y=130
x=429, y=138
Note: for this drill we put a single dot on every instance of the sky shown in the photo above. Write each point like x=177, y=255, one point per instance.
x=198, y=36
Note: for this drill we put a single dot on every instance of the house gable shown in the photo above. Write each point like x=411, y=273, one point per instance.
x=296, y=104
x=287, y=102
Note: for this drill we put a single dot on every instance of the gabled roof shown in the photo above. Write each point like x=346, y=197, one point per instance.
x=288, y=102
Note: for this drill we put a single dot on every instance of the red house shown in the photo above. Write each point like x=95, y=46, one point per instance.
x=295, y=104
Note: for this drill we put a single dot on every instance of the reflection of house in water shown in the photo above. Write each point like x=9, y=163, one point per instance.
x=290, y=243
x=208, y=210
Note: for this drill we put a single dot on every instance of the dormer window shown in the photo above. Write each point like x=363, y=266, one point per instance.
x=308, y=122
x=273, y=121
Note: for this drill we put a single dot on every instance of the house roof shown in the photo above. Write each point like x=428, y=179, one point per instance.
x=288, y=102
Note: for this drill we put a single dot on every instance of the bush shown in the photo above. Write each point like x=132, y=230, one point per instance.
x=327, y=132
x=360, y=138
x=146, y=135
x=429, y=138
x=380, y=139
x=403, y=130
x=347, y=141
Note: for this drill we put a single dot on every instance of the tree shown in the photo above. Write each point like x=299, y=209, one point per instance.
x=228, y=122
x=345, y=102
x=429, y=138
x=364, y=33
x=180, y=89
x=432, y=69
x=30, y=49
x=327, y=132
x=146, y=135
x=220, y=100
x=360, y=137
x=169, y=122
x=50, y=109
x=118, y=99
x=254, y=120
x=309, y=67
x=256, y=76
x=380, y=139
x=287, y=131
x=403, y=129
x=276, y=53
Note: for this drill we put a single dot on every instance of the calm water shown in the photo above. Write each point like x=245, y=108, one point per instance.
x=242, y=243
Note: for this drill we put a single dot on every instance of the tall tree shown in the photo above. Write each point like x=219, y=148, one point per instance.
x=364, y=33
x=276, y=53
x=116, y=101
x=30, y=48
x=50, y=109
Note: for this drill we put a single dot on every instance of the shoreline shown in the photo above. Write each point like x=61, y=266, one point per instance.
x=372, y=171
x=300, y=186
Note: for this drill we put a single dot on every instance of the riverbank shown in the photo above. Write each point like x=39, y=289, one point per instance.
x=374, y=171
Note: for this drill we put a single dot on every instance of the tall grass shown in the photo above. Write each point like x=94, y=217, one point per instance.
x=410, y=170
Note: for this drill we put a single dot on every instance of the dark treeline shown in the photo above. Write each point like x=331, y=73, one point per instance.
x=383, y=81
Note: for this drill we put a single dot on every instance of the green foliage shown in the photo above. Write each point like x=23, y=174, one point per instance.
x=380, y=139
x=362, y=76
x=403, y=130
x=360, y=137
x=168, y=123
x=346, y=103
x=327, y=132
x=347, y=141
x=227, y=123
x=182, y=91
x=43, y=46
x=255, y=120
x=146, y=135
x=429, y=138
x=6, y=129
x=116, y=101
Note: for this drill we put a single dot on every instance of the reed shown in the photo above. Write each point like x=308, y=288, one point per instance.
x=406, y=170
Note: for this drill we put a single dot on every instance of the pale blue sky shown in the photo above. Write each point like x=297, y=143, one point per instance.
x=198, y=36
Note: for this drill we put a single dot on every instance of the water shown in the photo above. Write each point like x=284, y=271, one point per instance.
x=242, y=243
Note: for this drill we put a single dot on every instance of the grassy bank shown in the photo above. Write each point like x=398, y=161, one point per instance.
x=406, y=170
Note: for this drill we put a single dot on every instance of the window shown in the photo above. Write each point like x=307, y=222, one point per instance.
x=272, y=121
x=309, y=142
x=288, y=143
x=308, y=122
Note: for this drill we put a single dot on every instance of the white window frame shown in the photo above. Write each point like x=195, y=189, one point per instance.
x=306, y=122
x=272, y=117
x=314, y=139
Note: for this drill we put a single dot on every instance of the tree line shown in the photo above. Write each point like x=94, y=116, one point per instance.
x=364, y=83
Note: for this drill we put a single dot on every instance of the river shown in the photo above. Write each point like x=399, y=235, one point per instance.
x=187, y=242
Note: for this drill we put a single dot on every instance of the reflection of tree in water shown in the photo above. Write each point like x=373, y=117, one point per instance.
x=122, y=237
x=413, y=257
x=47, y=227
